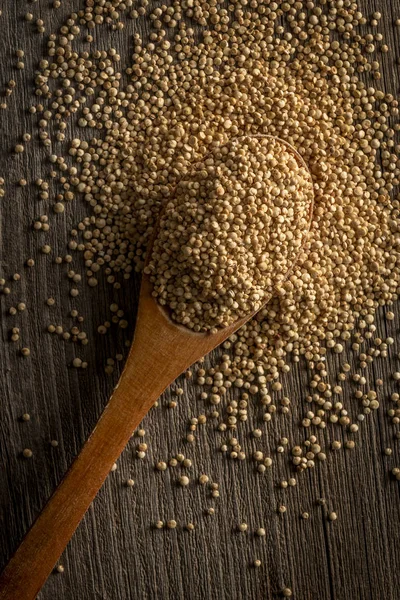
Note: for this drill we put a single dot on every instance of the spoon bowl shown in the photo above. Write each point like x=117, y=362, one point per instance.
x=160, y=352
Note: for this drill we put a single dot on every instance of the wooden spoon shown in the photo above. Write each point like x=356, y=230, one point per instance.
x=160, y=352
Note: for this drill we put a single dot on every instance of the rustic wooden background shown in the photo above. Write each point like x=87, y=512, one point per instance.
x=116, y=553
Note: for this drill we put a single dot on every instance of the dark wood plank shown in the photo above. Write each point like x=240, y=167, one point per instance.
x=117, y=553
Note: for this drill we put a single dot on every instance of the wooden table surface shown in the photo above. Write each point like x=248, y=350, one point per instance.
x=117, y=554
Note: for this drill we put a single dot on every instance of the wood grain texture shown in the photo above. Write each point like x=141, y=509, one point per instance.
x=116, y=554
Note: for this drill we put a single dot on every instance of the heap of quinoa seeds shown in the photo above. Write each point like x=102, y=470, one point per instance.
x=232, y=230
x=265, y=68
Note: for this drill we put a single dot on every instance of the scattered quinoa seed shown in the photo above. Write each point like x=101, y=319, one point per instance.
x=261, y=532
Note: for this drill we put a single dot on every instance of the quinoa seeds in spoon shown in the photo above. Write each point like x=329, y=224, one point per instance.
x=231, y=233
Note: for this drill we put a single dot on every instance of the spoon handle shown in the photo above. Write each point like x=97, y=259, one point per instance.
x=160, y=352
x=42, y=546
